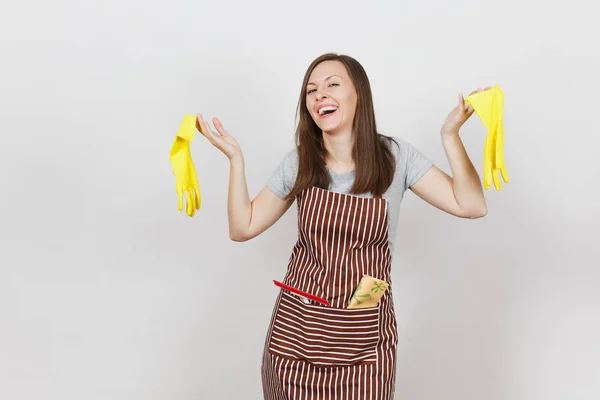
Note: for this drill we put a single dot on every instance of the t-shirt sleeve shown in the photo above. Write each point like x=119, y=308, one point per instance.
x=411, y=162
x=283, y=177
x=418, y=164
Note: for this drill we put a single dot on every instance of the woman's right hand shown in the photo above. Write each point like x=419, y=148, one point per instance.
x=221, y=140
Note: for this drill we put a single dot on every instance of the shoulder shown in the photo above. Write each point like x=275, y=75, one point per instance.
x=283, y=177
x=290, y=160
x=411, y=164
x=291, y=155
x=401, y=149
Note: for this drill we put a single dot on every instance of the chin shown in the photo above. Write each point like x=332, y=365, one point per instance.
x=333, y=129
x=329, y=127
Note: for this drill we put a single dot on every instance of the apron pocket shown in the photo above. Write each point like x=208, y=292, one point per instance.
x=324, y=336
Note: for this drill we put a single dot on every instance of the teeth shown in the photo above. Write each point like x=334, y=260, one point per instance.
x=329, y=108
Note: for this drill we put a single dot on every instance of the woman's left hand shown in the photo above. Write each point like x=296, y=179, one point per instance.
x=459, y=115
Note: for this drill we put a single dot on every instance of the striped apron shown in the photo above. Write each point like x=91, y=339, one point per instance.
x=313, y=351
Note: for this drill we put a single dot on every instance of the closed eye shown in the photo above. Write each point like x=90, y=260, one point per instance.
x=331, y=84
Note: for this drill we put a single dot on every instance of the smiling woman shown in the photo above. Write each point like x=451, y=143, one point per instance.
x=349, y=181
x=337, y=129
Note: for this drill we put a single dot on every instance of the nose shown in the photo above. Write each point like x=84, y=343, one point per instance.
x=320, y=95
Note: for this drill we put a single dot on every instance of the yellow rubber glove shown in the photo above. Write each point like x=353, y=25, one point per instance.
x=186, y=181
x=489, y=105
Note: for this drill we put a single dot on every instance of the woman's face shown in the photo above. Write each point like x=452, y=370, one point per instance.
x=331, y=97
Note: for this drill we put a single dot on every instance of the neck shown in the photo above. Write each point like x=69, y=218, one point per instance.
x=339, y=150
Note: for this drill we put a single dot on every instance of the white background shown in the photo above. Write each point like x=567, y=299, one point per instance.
x=108, y=292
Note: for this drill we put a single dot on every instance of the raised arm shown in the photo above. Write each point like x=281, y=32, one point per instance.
x=462, y=194
x=247, y=219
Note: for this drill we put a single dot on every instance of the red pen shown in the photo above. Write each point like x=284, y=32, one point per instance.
x=301, y=293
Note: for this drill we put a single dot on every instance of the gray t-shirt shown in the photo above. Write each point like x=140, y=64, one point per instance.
x=411, y=165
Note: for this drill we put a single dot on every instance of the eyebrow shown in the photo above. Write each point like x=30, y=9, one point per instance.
x=328, y=78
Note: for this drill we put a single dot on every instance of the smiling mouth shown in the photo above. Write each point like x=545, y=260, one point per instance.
x=327, y=111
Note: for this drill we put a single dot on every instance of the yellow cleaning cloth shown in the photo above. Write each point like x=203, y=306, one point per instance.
x=368, y=292
x=489, y=105
x=186, y=181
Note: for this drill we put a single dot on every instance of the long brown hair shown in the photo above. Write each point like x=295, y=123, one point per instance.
x=373, y=158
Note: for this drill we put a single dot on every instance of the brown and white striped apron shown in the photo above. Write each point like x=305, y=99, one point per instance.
x=313, y=351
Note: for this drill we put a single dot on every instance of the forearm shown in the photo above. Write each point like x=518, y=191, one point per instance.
x=239, y=206
x=466, y=184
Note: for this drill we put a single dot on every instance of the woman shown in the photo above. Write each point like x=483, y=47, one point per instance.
x=349, y=182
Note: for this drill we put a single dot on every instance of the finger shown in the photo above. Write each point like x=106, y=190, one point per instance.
x=200, y=124
x=504, y=174
x=219, y=127
x=496, y=179
x=198, y=197
x=205, y=130
x=205, y=127
x=194, y=202
x=195, y=197
x=500, y=152
x=494, y=156
x=192, y=210
x=461, y=102
x=209, y=129
x=487, y=163
x=189, y=207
